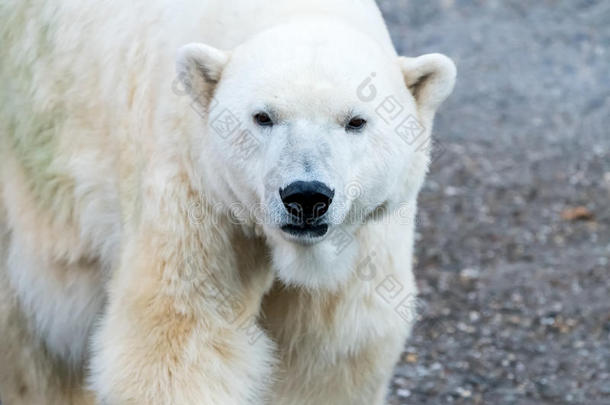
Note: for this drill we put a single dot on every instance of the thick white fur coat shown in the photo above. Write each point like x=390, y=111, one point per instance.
x=125, y=277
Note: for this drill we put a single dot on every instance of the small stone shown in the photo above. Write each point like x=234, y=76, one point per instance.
x=465, y=328
x=403, y=392
x=451, y=191
x=514, y=319
x=578, y=345
x=469, y=274
x=464, y=393
x=547, y=321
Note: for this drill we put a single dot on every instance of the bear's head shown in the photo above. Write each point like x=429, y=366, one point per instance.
x=311, y=130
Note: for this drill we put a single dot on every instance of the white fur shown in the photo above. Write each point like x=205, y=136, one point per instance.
x=108, y=139
x=63, y=311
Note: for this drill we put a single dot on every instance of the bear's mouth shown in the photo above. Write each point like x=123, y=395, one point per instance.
x=306, y=230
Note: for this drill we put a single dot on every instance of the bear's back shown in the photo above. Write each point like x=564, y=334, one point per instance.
x=89, y=86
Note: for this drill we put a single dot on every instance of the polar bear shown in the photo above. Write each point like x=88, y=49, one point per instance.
x=207, y=202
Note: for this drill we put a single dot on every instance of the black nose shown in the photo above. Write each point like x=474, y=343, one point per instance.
x=306, y=200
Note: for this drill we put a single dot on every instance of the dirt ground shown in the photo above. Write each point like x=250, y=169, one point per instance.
x=514, y=227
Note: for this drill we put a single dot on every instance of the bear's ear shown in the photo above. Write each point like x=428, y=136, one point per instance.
x=199, y=68
x=430, y=78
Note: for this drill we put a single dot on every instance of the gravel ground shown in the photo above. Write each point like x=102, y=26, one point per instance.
x=514, y=233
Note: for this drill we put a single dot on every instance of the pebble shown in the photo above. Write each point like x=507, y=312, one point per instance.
x=403, y=392
x=464, y=393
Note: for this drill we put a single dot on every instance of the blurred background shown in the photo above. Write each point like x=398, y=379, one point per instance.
x=513, y=244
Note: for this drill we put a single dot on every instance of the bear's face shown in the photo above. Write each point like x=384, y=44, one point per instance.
x=311, y=137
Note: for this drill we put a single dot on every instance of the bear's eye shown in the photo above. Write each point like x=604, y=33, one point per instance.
x=263, y=119
x=355, y=124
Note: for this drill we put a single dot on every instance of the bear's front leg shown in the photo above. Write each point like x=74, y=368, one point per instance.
x=322, y=364
x=340, y=347
x=180, y=325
